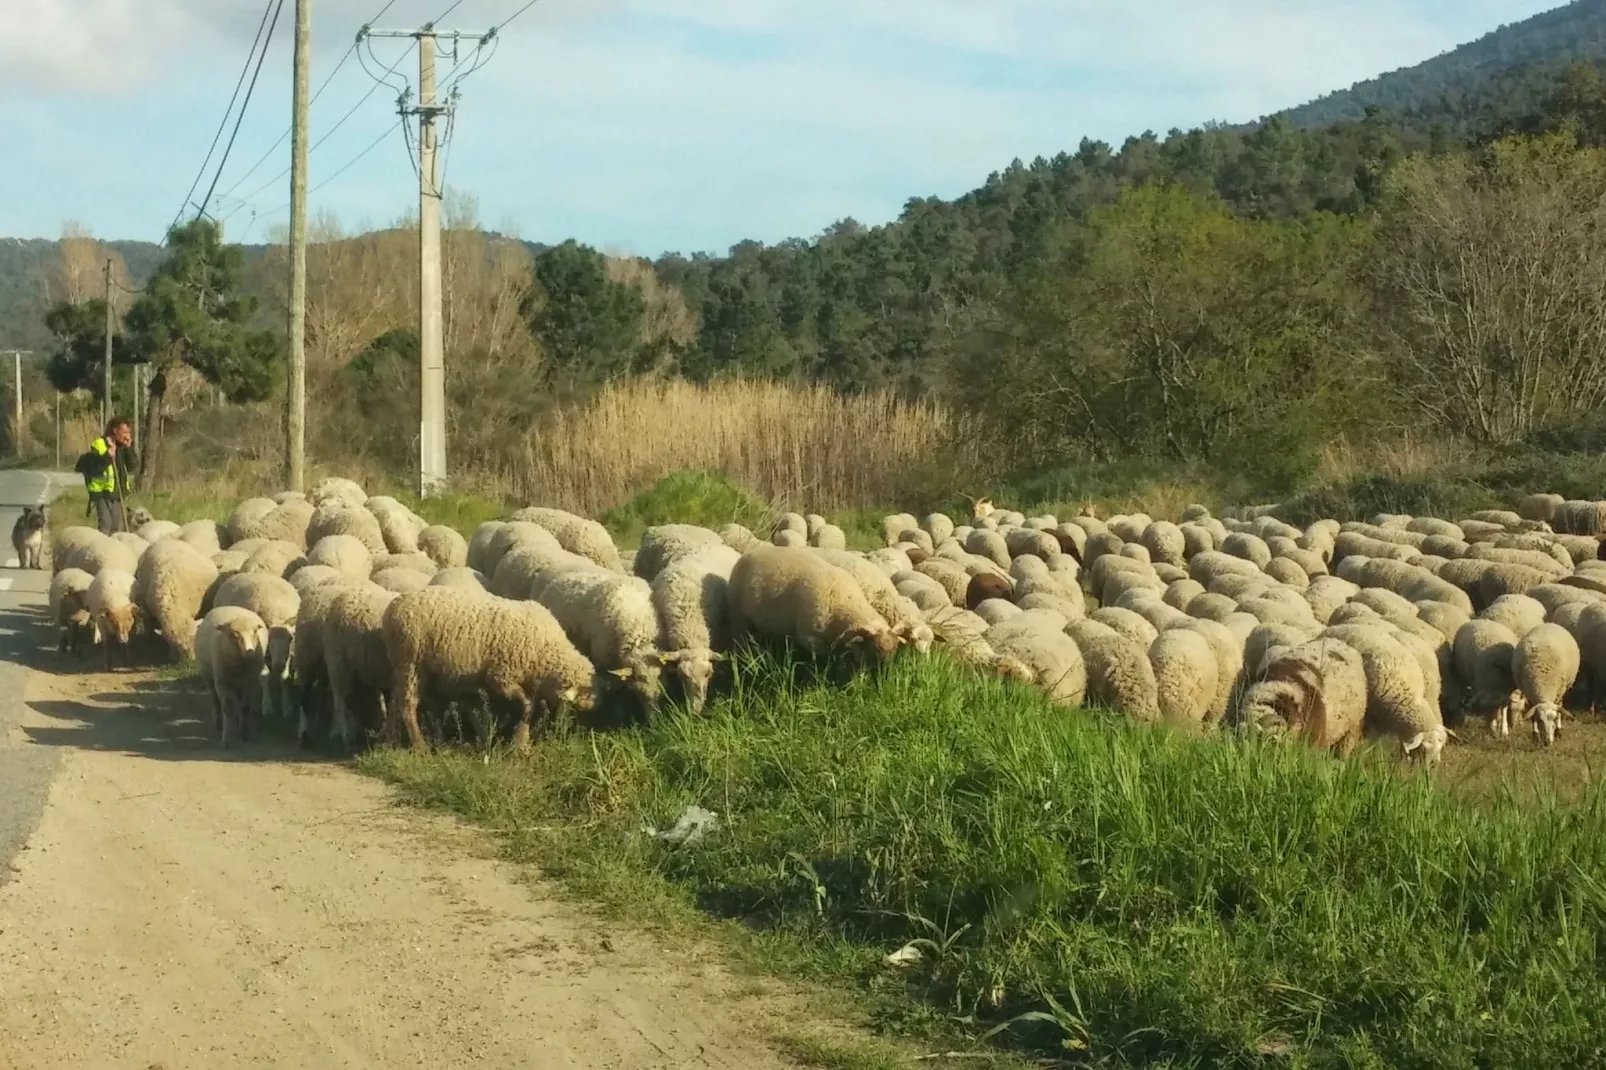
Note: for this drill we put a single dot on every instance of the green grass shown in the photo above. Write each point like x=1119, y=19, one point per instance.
x=1118, y=895
x=691, y=497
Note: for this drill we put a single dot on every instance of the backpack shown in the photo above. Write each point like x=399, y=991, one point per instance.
x=90, y=465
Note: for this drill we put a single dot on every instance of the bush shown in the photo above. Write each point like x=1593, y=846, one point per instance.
x=697, y=497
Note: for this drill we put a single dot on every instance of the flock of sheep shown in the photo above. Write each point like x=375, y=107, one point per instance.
x=350, y=608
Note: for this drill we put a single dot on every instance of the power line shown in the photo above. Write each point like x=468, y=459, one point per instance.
x=225, y=120
x=244, y=104
x=517, y=13
x=349, y=163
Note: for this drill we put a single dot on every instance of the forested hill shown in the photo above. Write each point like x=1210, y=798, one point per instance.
x=1550, y=40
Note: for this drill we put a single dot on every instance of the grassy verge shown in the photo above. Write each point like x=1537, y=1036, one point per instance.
x=1093, y=890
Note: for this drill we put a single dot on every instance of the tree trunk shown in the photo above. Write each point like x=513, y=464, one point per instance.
x=150, y=465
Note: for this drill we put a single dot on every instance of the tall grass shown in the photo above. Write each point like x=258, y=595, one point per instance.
x=798, y=447
x=1128, y=896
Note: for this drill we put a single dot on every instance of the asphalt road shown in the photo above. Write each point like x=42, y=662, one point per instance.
x=25, y=767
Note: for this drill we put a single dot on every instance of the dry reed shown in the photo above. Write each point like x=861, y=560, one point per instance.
x=802, y=446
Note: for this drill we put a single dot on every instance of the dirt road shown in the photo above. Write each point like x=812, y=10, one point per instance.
x=176, y=907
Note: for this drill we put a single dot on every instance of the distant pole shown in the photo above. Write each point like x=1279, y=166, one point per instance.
x=295, y=417
x=137, y=378
x=16, y=434
x=432, y=372
x=58, y=431
x=106, y=372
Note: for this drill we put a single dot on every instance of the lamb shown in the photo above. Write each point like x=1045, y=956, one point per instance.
x=1544, y=666
x=109, y=601
x=307, y=656
x=335, y=517
x=1209, y=606
x=662, y=544
x=1185, y=675
x=356, y=659
x=788, y=538
x=1119, y=676
x=692, y=602
x=456, y=642
x=611, y=619
x=576, y=534
x=444, y=545
x=276, y=603
x=1227, y=643
x=782, y=593
x=1316, y=692
x=230, y=651
x=172, y=580
x=1396, y=691
x=1288, y=572
x=345, y=553
x=68, y=611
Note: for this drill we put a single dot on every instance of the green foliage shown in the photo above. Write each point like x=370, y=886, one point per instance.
x=587, y=324
x=1082, y=886
x=709, y=499
x=78, y=351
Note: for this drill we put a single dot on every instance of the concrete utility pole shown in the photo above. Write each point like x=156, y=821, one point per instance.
x=106, y=372
x=137, y=377
x=16, y=421
x=295, y=417
x=432, y=358
x=58, y=431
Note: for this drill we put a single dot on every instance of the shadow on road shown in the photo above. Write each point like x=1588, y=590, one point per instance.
x=156, y=710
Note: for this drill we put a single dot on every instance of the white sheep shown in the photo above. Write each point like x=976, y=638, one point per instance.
x=68, y=611
x=1397, y=702
x=276, y=602
x=109, y=599
x=1316, y=692
x=171, y=582
x=1544, y=665
x=1053, y=657
x=463, y=578
x=665, y=542
x=691, y=598
x=444, y=545
x=611, y=619
x=576, y=534
x=458, y=642
x=1518, y=612
x=230, y=652
x=904, y=616
x=794, y=594
x=1185, y=675
x=356, y=660
x=1119, y=675
x=344, y=553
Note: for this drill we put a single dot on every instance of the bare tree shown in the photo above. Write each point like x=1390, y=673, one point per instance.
x=1491, y=278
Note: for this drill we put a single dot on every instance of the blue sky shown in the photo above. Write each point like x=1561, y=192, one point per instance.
x=650, y=125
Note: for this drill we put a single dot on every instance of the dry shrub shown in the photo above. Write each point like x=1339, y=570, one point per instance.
x=804, y=445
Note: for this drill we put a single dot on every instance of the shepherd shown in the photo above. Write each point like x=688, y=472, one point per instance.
x=106, y=468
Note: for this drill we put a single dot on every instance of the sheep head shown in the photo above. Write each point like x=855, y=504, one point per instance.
x=874, y=644
x=696, y=671
x=1546, y=719
x=1428, y=747
x=982, y=507
x=918, y=635
x=1015, y=669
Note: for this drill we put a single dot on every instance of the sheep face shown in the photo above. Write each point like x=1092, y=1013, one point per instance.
x=696, y=671
x=1427, y=747
x=918, y=635
x=873, y=645
x=1546, y=719
x=119, y=623
x=1016, y=670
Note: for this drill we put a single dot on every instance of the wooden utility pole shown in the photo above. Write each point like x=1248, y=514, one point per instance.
x=137, y=377
x=432, y=357
x=58, y=431
x=106, y=372
x=295, y=417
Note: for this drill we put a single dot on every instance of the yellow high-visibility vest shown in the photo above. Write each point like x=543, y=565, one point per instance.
x=106, y=482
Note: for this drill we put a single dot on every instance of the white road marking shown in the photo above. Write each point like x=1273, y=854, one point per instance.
x=12, y=562
x=6, y=583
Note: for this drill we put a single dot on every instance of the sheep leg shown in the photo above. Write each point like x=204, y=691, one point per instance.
x=521, y=731
x=406, y=703
x=340, y=719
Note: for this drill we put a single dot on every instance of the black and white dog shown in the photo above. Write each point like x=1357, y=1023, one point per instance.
x=28, y=537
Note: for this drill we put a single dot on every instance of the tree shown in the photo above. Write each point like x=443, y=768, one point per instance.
x=191, y=314
x=587, y=323
x=79, y=331
x=1491, y=281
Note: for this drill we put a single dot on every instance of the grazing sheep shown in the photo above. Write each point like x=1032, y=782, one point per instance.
x=1185, y=675
x=691, y=597
x=334, y=488
x=1210, y=606
x=286, y=522
x=335, y=517
x=997, y=610
x=356, y=660
x=523, y=567
x=938, y=526
x=345, y=553
x=610, y=618
x=576, y=534
x=782, y=593
x=789, y=538
x=1119, y=676
x=480, y=546
x=309, y=576
x=101, y=553
x=1316, y=692
x=1396, y=703
x=457, y=642
x=416, y=561
x=1128, y=624
x=401, y=579
x=157, y=530
x=1518, y=612
x=892, y=527
x=1054, y=659
x=1481, y=657
x=109, y=599
x=399, y=527
x=664, y=543
x=463, y=578
x=905, y=618
x=989, y=544
x=246, y=516
x=1445, y=618
x=1249, y=547
x=1555, y=595
x=170, y=584
x=830, y=537
x=739, y=538
x=1265, y=642
x=230, y=651
x=68, y=611
x=1544, y=666
x=444, y=545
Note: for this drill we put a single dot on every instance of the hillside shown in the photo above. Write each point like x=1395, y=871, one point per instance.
x=1550, y=40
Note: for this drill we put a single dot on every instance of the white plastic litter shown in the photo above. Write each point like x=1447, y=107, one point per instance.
x=693, y=825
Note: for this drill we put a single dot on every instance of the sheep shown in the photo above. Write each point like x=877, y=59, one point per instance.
x=68, y=612
x=399, y=527
x=170, y=583
x=780, y=593
x=277, y=558
x=286, y=522
x=245, y=517
x=1196, y=539
x=230, y=651
x=335, y=517
x=955, y=580
x=1072, y=539
x=416, y=561
x=157, y=530
x=907, y=623
x=576, y=534
x=1544, y=665
x=1580, y=518
x=892, y=527
x=1555, y=595
x=1518, y=612
x=1249, y=547
x=928, y=598
x=1227, y=643
x=1022, y=541
x=1384, y=602
x=356, y=659
x=307, y=651
x=1263, y=644
x=1212, y=563
x=664, y=543
x=938, y=526
x=103, y=553
x=286, y=496
x=888, y=559
x=1396, y=703
x=1540, y=507
x=1177, y=595
x=1185, y=675
x=690, y=596
x=1055, y=661
x=1481, y=656
x=997, y=610
x=334, y=488
x=463, y=578
x=130, y=542
x=309, y=576
x=1353, y=613
x=611, y=619
x=739, y=538
x=1151, y=609
x=1288, y=572
x=1447, y=619
x=483, y=548
x=453, y=641
x=1210, y=606
x=831, y=537
x=1165, y=542
x=344, y=553
x=1274, y=611
x=989, y=544
x=1316, y=692
x=108, y=599
x=401, y=580
x=1137, y=552
x=277, y=603
x=1119, y=676
x=789, y=538
x=1539, y=560
x=444, y=545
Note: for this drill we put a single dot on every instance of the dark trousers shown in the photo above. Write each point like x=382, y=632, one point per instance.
x=108, y=512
